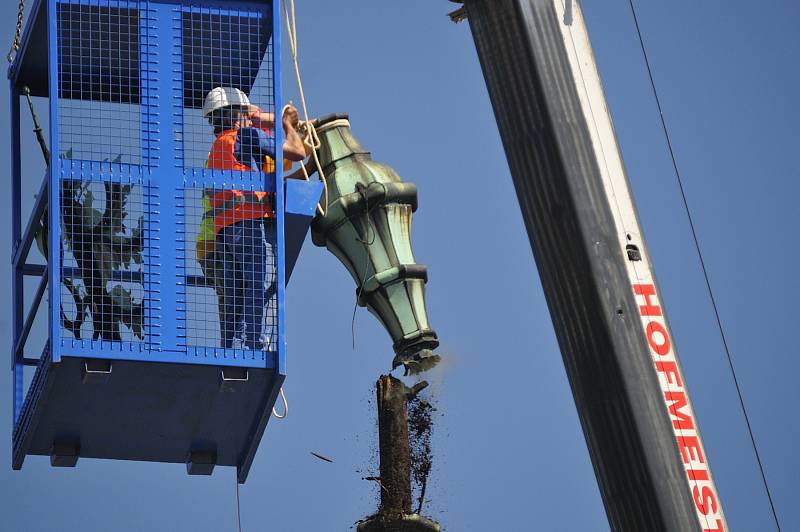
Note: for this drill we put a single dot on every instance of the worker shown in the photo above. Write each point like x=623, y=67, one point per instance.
x=235, y=243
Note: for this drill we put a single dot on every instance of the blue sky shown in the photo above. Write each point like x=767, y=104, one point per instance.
x=510, y=454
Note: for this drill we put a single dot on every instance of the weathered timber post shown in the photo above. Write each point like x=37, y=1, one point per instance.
x=395, y=513
x=395, y=451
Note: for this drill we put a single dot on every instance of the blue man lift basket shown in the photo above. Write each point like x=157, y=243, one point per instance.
x=140, y=362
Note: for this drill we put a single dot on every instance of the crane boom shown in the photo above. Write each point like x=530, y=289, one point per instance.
x=621, y=362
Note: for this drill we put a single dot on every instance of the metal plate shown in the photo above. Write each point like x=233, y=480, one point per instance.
x=151, y=412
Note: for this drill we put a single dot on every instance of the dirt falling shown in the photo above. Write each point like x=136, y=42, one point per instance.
x=420, y=428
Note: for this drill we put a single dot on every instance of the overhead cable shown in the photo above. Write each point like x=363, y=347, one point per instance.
x=703, y=266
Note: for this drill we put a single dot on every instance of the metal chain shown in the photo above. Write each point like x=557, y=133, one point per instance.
x=18, y=35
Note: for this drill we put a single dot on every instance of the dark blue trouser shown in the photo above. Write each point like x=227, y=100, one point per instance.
x=247, y=257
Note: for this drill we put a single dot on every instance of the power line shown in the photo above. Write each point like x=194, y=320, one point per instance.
x=703, y=265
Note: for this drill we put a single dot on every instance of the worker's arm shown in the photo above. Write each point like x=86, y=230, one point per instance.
x=293, y=148
x=262, y=120
x=252, y=145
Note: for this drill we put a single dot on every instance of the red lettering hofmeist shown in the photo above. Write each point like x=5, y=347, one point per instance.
x=647, y=290
x=670, y=371
x=704, y=496
x=676, y=401
x=690, y=449
x=663, y=347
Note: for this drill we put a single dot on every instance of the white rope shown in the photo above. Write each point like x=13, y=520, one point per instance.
x=285, y=407
x=311, y=140
x=341, y=122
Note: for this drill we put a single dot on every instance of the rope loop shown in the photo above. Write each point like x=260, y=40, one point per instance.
x=285, y=407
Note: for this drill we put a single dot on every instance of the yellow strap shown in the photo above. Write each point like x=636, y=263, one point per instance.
x=206, y=230
x=269, y=165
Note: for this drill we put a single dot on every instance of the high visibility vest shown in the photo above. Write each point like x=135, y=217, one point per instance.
x=226, y=207
x=231, y=206
x=223, y=155
x=206, y=233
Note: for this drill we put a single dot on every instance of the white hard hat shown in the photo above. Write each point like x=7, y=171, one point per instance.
x=220, y=97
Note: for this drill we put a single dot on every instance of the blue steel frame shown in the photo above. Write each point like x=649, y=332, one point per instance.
x=162, y=182
x=17, y=288
x=21, y=242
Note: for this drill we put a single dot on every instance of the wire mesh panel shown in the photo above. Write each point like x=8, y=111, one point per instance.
x=99, y=109
x=103, y=144
x=228, y=204
x=165, y=128
x=102, y=283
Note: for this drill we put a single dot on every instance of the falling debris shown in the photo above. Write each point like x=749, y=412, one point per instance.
x=420, y=427
x=321, y=457
x=416, y=363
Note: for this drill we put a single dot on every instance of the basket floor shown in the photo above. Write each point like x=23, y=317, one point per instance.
x=145, y=411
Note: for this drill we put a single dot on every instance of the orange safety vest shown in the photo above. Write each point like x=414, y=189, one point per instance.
x=231, y=206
